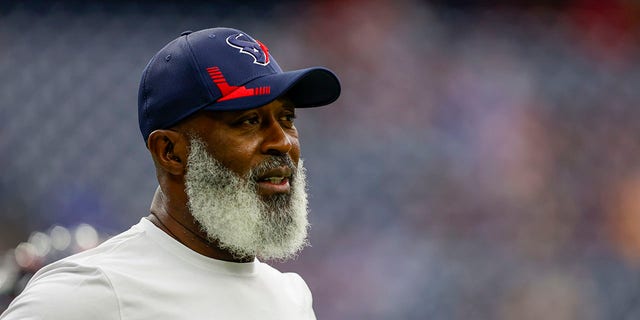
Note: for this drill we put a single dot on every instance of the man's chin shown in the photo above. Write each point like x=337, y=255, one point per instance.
x=243, y=216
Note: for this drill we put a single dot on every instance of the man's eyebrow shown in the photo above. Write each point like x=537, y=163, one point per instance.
x=288, y=104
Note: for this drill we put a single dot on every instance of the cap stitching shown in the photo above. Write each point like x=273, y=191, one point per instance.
x=195, y=64
x=145, y=96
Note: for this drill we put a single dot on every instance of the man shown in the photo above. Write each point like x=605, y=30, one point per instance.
x=217, y=115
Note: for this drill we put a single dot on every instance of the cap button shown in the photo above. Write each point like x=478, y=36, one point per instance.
x=184, y=33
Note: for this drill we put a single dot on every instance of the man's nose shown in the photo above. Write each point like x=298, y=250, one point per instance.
x=276, y=141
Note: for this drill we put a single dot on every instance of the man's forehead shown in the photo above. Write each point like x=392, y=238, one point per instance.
x=274, y=106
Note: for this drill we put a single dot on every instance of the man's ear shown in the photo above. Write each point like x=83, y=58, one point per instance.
x=169, y=150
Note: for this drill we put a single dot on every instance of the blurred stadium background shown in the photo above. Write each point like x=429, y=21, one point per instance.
x=483, y=161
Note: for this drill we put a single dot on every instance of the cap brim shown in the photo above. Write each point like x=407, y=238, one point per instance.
x=305, y=88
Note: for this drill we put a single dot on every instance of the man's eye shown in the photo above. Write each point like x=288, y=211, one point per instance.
x=288, y=117
x=251, y=121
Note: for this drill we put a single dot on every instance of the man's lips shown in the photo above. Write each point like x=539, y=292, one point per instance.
x=274, y=181
x=274, y=175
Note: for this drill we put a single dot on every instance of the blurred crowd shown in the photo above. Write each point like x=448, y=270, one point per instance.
x=483, y=162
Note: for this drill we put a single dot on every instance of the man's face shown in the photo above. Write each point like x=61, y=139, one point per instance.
x=246, y=184
x=241, y=140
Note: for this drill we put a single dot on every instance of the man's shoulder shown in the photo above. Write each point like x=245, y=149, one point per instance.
x=129, y=242
x=80, y=284
x=267, y=269
x=66, y=290
x=285, y=279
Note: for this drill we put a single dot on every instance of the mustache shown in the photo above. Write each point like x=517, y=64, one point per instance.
x=271, y=163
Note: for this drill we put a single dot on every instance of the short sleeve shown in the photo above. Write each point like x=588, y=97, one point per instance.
x=66, y=292
x=303, y=293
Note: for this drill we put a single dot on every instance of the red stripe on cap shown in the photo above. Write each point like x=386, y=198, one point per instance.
x=265, y=49
x=230, y=92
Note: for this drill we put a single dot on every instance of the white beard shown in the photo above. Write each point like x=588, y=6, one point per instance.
x=233, y=215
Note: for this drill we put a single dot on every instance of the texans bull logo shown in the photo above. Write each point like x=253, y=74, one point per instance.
x=249, y=46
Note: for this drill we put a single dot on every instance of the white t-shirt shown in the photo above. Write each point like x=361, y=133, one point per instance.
x=143, y=273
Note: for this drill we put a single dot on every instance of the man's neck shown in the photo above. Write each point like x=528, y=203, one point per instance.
x=175, y=220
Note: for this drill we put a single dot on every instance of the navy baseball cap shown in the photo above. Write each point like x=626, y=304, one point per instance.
x=222, y=69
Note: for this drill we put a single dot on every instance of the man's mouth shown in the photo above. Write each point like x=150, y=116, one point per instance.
x=274, y=181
